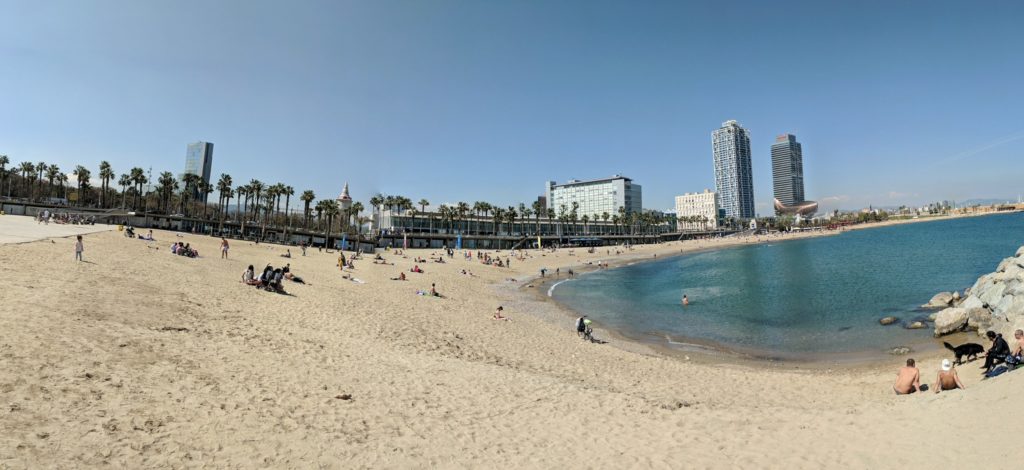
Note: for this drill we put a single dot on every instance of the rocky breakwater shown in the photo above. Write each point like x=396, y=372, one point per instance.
x=995, y=302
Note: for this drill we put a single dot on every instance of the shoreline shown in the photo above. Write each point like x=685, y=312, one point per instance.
x=686, y=348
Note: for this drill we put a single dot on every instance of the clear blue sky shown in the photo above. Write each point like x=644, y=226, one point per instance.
x=894, y=102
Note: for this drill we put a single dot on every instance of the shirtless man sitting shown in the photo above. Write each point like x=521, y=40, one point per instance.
x=947, y=379
x=908, y=379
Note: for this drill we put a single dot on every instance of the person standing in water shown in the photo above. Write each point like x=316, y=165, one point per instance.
x=686, y=301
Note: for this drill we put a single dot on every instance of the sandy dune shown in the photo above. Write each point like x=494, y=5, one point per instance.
x=139, y=358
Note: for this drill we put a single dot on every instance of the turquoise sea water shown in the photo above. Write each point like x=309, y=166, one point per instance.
x=802, y=297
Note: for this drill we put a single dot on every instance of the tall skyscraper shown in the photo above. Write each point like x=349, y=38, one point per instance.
x=734, y=178
x=788, y=170
x=199, y=161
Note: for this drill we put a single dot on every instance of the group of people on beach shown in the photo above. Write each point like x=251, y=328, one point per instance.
x=184, y=249
x=45, y=217
x=271, y=279
x=908, y=379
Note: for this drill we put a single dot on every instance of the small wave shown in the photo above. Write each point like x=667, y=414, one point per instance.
x=553, y=286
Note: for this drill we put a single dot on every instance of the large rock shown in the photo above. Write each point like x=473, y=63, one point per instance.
x=992, y=294
x=980, y=284
x=950, y=320
x=1010, y=306
x=971, y=302
x=1009, y=263
x=956, y=296
x=1020, y=252
x=940, y=300
x=1015, y=288
x=979, y=319
x=887, y=320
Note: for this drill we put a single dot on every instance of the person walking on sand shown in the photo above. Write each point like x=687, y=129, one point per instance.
x=223, y=248
x=79, y=248
x=908, y=379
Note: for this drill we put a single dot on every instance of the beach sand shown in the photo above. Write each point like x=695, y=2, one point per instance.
x=139, y=358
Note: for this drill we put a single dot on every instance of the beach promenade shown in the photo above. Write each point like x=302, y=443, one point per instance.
x=139, y=358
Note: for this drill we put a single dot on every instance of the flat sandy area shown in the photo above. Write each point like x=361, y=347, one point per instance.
x=20, y=229
x=137, y=358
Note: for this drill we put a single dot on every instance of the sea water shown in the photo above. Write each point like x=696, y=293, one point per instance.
x=800, y=298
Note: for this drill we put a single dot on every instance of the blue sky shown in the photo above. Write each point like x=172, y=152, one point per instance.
x=894, y=102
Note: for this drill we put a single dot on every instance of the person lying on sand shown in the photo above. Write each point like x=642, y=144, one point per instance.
x=908, y=379
x=947, y=378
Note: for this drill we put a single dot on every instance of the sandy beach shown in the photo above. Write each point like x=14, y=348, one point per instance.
x=137, y=358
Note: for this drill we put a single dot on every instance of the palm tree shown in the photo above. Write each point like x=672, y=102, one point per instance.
x=124, y=181
x=306, y=198
x=205, y=189
x=288, y=192
x=423, y=205
x=4, y=160
x=497, y=215
x=224, y=189
x=330, y=209
x=605, y=216
x=510, y=217
x=462, y=210
x=356, y=208
x=63, y=177
x=52, y=172
x=82, y=175
x=40, y=170
x=256, y=190
x=376, y=201
x=26, y=169
x=585, y=218
x=106, y=174
x=168, y=184
x=138, y=176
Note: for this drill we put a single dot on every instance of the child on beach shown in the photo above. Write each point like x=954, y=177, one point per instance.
x=224, y=248
x=79, y=248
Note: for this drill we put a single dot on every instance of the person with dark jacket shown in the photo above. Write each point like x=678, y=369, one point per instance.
x=997, y=353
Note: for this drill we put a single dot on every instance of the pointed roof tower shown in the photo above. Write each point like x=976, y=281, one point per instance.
x=344, y=200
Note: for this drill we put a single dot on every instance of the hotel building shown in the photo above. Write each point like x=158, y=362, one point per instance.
x=199, y=161
x=788, y=170
x=734, y=178
x=595, y=197
x=703, y=204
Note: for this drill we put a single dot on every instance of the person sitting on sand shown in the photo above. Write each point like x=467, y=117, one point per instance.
x=287, y=253
x=908, y=379
x=249, y=277
x=416, y=269
x=997, y=353
x=433, y=291
x=401, y=276
x=581, y=326
x=498, y=316
x=947, y=378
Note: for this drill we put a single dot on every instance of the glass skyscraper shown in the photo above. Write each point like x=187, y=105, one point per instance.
x=734, y=178
x=788, y=170
x=199, y=161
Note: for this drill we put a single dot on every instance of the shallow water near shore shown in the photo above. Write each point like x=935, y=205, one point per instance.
x=802, y=299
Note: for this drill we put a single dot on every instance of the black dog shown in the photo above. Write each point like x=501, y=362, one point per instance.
x=968, y=350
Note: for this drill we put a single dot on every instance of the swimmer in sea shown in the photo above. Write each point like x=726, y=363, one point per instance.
x=685, y=300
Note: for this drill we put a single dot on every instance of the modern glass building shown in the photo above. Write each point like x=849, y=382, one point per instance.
x=595, y=197
x=788, y=177
x=734, y=178
x=788, y=170
x=199, y=161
